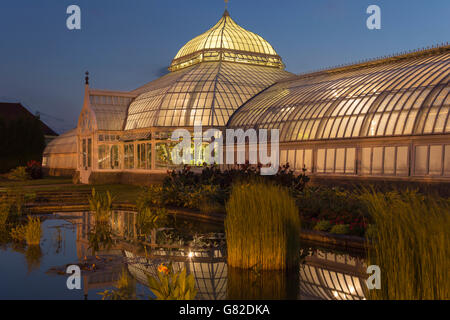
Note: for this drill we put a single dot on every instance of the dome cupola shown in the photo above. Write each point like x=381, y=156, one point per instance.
x=227, y=41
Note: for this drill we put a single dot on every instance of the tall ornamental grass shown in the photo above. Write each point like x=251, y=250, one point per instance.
x=262, y=227
x=411, y=246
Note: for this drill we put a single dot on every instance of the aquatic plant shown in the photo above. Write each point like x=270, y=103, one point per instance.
x=30, y=233
x=101, y=206
x=33, y=256
x=411, y=245
x=170, y=285
x=262, y=227
x=125, y=288
x=100, y=237
x=4, y=213
x=149, y=219
x=33, y=231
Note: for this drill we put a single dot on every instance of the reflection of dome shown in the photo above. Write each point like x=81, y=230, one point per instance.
x=227, y=41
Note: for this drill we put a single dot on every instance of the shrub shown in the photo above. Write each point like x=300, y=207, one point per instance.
x=333, y=204
x=323, y=225
x=34, y=169
x=262, y=227
x=19, y=174
x=411, y=245
x=340, y=229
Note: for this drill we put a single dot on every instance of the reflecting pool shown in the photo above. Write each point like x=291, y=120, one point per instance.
x=200, y=248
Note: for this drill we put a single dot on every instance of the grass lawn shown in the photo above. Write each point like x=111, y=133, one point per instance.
x=5, y=183
x=121, y=192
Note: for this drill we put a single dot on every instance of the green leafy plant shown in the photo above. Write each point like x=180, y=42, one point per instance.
x=170, y=285
x=323, y=225
x=262, y=227
x=342, y=229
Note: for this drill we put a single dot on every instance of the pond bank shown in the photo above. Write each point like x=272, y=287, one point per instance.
x=342, y=241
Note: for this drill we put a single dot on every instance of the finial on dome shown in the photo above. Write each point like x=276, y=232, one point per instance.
x=87, y=77
x=226, y=13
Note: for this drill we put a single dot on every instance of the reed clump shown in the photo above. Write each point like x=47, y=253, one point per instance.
x=411, y=245
x=30, y=232
x=262, y=227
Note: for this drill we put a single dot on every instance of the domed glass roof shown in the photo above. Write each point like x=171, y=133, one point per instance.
x=227, y=41
x=400, y=96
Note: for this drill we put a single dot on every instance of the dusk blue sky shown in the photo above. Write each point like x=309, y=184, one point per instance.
x=125, y=44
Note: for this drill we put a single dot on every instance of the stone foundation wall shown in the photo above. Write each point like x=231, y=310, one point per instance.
x=58, y=172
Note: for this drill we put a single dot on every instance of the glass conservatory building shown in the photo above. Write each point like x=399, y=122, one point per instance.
x=381, y=118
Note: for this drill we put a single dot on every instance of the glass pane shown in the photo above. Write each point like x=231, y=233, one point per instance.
x=377, y=161
x=299, y=160
x=330, y=160
x=447, y=160
x=308, y=160
x=321, y=160
x=89, y=151
x=350, y=160
x=435, y=160
x=340, y=160
x=389, y=160
x=421, y=159
x=283, y=157
x=366, y=161
x=291, y=158
x=402, y=161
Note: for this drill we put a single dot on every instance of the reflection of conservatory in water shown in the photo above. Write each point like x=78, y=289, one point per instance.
x=382, y=118
x=324, y=275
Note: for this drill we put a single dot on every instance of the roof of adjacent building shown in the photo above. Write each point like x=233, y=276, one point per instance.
x=11, y=111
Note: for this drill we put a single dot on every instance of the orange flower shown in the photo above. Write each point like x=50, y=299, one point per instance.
x=163, y=269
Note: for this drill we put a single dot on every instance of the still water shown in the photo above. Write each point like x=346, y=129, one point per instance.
x=39, y=273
